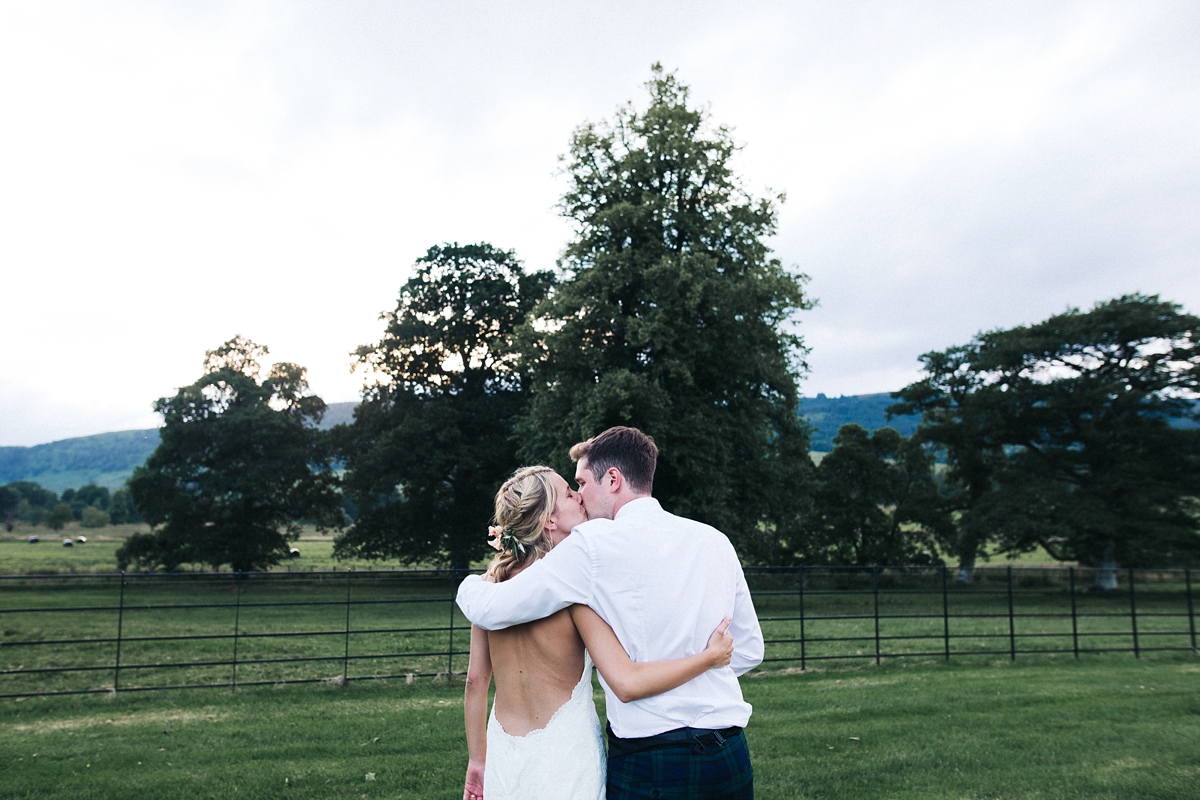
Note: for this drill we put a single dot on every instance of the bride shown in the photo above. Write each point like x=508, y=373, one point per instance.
x=543, y=739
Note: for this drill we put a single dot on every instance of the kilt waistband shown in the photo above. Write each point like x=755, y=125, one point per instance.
x=698, y=738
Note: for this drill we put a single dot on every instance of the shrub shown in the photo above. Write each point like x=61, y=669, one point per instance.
x=59, y=516
x=92, y=517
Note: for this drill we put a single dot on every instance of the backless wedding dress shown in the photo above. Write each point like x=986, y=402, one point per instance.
x=563, y=761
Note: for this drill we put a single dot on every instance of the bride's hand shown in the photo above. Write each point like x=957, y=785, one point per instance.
x=720, y=644
x=474, y=784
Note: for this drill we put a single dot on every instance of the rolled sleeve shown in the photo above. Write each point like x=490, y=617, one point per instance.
x=563, y=577
x=748, y=645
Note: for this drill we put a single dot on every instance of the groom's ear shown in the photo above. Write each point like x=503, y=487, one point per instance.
x=616, y=480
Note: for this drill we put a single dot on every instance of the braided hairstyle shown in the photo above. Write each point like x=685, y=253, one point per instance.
x=523, y=508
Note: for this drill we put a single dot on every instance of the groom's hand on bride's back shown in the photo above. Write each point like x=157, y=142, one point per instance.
x=720, y=644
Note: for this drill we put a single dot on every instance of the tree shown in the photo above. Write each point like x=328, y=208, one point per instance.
x=59, y=516
x=92, y=517
x=10, y=507
x=239, y=462
x=432, y=439
x=672, y=317
x=1077, y=413
x=91, y=495
x=121, y=508
x=34, y=500
x=876, y=501
x=953, y=421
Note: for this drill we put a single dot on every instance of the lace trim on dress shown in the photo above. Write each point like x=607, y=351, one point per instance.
x=585, y=681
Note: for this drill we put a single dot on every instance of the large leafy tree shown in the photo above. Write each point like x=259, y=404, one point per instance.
x=240, y=462
x=673, y=317
x=1077, y=414
x=432, y=439
x=953, y=422
x=876, y=501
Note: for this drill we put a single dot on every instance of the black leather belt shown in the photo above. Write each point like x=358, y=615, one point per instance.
x=698, y=738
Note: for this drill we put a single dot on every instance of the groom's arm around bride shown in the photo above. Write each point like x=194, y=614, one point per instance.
x=662, y=583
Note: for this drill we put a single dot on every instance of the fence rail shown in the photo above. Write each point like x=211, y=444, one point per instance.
x=84, y=634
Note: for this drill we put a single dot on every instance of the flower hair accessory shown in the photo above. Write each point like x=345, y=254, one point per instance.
x=500, y=539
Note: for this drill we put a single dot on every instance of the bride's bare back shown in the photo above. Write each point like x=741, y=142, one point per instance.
x=536, y=666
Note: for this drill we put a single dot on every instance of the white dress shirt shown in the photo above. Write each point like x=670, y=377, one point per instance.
x=663, y=583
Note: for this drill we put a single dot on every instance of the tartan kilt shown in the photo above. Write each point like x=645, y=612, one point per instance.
x=684, y=772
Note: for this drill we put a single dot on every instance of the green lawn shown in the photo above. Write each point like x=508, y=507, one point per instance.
x=1103, y=727
x=294, y=626
x=48, y=556
x=58, y=621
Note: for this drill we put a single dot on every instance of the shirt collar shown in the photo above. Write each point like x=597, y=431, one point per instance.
x=639, y=507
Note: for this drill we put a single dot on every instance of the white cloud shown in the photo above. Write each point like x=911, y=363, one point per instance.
x=180, y=173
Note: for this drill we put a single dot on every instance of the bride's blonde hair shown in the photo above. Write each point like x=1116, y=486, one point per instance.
x=523, y=508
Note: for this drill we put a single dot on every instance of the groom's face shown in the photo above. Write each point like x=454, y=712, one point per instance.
x=597, y=503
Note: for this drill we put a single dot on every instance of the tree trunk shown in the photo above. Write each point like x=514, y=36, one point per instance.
x=966, y=565
x=1106, y=573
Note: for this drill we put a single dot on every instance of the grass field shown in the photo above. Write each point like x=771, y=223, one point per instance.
x=1105, y=727
x=48, y=556
x=60, y=633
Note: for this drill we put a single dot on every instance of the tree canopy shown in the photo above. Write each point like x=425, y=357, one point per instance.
x=876, y=502
x=33, y=501
x=1060, y=433
x=432, y=439
x=239, y=463
x=10, y=507
x=673, y=317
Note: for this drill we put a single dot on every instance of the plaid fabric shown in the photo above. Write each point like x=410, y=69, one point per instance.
x=684, y=772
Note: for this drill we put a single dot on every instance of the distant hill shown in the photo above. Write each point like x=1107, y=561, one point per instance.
x=106, y=459
x=827, y=414
x=337, y=414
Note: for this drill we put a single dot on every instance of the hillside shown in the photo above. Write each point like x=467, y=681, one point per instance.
x=827, y=414
x=106, y=459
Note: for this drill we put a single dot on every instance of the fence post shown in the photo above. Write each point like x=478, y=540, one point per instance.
x=1187, y=574
x=1137, y=653
x=237, y=622
x=945, y=613
x=450, y=644
x=1012, y=628
x=121, y=621
x=804, y=655
x=875, y=590
x=346, y=654
x=1074, y=622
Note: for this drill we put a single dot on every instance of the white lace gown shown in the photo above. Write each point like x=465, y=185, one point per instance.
x=563, y=761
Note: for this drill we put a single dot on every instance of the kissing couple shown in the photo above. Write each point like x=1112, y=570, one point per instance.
x=657, y=602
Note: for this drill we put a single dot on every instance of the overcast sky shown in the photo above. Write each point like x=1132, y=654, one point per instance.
x=172, y=174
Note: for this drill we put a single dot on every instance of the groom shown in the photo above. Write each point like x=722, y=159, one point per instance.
x=663, y=583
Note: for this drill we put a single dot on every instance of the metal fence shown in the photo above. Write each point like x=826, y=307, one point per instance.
x=82, y=634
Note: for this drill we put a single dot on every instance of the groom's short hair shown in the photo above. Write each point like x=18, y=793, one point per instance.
x=627, y=449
